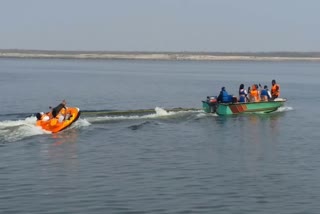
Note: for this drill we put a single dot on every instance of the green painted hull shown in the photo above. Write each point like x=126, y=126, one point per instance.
x=239, y=108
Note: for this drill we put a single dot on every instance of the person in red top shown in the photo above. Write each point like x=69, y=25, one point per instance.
x=275, y=89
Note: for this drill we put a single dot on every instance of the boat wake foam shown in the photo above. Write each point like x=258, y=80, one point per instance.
x=15, y=130
x=160, y=113
x=284, y=109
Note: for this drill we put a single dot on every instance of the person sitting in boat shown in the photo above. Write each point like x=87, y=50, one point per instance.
x=60, y=110
x=254, y=93
x=243, y=95
x=42, y=116
x=224, y=97
x=265, y=94
x=275, y=89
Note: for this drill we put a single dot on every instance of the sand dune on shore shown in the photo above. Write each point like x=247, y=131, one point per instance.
x=162, y=56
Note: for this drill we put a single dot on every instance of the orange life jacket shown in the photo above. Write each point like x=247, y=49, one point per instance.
x=254, y=94
x=275, y=91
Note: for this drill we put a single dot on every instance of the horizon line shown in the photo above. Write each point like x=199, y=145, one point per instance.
x=141, y=51
x=149, y=55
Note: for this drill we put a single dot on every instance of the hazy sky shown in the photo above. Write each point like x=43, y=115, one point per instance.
x=161, y=25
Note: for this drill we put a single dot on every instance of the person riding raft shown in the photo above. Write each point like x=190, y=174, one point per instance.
x=60, y=110
x=57, y=113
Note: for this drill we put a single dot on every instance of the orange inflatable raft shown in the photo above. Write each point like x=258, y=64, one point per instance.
x=54, y=125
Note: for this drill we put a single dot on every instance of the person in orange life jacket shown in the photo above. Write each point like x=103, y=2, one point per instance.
x=223, y=96
x=242, y=94
x=56, y=110
x=265, y=94
x=254, y=94
x=275, y=89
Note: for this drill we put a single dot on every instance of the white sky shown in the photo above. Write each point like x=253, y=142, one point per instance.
x=160, y=25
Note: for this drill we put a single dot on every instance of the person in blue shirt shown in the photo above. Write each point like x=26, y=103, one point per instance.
x=265, y=94
x=224, y=97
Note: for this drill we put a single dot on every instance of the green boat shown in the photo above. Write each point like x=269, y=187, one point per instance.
x=212, y=106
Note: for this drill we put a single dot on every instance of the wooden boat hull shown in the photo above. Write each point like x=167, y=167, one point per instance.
x=238, y=108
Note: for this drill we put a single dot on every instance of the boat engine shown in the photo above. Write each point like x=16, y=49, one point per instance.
x=212, y=102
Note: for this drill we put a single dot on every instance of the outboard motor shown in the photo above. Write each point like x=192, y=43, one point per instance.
x=210, y=105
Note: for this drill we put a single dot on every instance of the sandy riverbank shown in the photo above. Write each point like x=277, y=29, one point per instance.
x=223, y=56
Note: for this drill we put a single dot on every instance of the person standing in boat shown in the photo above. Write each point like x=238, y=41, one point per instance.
x=275, y=89
x=265, y=94
x=223, y=96
x=243, y=94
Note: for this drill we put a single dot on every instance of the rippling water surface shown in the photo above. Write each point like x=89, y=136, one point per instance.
x=130, y=152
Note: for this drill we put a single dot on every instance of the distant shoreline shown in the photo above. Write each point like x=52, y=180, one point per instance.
x=187, y=56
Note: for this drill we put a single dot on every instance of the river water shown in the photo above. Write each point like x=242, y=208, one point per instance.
x=128, y=153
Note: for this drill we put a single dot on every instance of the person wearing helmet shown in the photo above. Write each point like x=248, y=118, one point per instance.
x=275, y=89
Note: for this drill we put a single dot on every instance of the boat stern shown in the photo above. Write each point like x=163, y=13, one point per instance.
x=210, y=105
